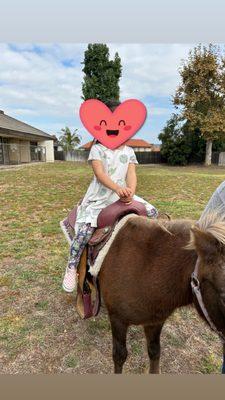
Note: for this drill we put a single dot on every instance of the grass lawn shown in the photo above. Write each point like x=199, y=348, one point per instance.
x=40, y=330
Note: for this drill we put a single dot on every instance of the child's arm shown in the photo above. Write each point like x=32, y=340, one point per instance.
x=131, y=178
x=107, y=181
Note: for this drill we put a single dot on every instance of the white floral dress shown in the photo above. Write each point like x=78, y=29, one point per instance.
x=98, y=196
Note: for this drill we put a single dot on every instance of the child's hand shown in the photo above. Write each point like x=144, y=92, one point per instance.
x=126, y=199
x=123, y=192
x=132, y=192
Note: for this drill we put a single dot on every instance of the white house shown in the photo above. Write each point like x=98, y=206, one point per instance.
x=22, y=143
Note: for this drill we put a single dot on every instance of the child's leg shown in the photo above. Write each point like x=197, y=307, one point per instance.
x=152, y=212
x=80, y=240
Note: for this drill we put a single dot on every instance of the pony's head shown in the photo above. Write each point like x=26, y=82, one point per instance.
x=208, y=240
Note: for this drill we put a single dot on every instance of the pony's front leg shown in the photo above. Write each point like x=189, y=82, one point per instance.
x=119, y=334
x=152, y=334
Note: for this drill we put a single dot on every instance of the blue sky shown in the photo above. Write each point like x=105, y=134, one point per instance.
x=40, y=84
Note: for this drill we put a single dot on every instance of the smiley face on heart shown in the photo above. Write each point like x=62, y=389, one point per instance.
x=112, y=128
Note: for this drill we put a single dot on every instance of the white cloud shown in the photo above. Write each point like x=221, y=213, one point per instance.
x=39, y=82
x=150, y=69
x=36, y=86
x=16, y=112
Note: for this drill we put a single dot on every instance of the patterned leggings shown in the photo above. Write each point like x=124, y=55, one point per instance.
x=152, y=212
x=83, y=235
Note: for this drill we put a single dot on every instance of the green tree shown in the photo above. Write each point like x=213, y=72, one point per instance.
x=182, y=145
x=101, y=75
x=201, y=94
x=175, y=148
x=68, y=140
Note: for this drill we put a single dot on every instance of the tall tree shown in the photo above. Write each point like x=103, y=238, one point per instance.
x=175, y=148
x=201, y=94
x=182, y=145
x=101, y=79
x=68, y=140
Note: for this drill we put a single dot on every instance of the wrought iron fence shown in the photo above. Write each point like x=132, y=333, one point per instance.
x=15, y=153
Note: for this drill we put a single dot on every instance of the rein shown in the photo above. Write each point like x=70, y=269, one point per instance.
x=195, y=285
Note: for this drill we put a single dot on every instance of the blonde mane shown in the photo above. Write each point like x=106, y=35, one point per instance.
x=212, y=223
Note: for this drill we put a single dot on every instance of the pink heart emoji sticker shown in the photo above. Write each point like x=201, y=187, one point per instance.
x=112, y=128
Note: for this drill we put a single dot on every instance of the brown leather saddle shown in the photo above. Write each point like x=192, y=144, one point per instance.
x=88, y=292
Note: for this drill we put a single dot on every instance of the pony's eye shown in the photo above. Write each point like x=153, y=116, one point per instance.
x=122, y=122
x=103, y=121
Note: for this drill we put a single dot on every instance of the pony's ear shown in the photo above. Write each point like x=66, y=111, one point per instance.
x=204, y=243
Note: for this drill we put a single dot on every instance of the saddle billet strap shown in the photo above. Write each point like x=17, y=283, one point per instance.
x=87, y=306
x=91, y=308
x=88, y=295
x=195, y=285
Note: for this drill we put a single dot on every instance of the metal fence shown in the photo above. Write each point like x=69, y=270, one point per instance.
x=59, y=155
x=15, y=153
x=215, y=157
x=143, y=157
x=149, y=157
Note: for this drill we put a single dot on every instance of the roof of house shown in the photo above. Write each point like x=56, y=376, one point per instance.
x=13, y=124
x=56, y=140
x=130, y=142
x=156, y=147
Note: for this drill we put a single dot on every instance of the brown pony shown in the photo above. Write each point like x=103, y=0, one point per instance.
x=146, y=275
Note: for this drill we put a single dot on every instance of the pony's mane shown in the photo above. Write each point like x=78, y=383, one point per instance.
x=162, y=226
x=213, y=223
